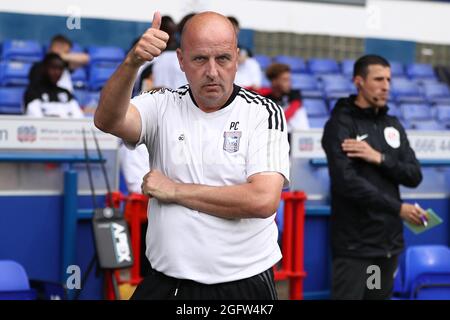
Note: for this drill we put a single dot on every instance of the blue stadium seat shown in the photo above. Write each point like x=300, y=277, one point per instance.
x=398, y=283
x=315, y=107
x=14, y=284
x=427, y=272
x=307, y=84
x=264, y=61
x=443, y=114
x=397, y=69
x=323, y=66
x=436, y=91
x=394, y=109
x=317, y=122
x=427, y=125
x=347, y=68
x=296, y=64
x=11, y=100
x=79, y=78
x=22, y=50
x=406, y=91
x=415, y=111
x=336, y=83
x=14, y=73
x=98, y=75
x=420, y=70
x=105, y=55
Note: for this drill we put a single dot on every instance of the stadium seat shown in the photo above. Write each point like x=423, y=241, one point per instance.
x=430, y=125
x=21, y=50
x=347, y=68
x=406, y=91
x=98, y=75
x=415, y=111
x=315, y=107
x=11, y=100
x=420, y=70
x=443, y=114
x=296, y=64
x=336, y=83
x=264, y=61
x=14, y=284
x=427, y=272
x=105, y=56
x=317, y=122
x=79, y=78
x=323, y=66
x=307, y=84
x=397, y=69
x=14, y=73
x=436, y=91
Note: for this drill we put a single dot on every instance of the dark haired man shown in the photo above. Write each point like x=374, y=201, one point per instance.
x=368, y=158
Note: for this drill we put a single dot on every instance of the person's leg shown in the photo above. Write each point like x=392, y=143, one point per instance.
x=349, y=277
x=387, y=270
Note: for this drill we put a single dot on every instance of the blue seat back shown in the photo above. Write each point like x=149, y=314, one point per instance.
x=263, y=60
x=420, y=70
x=22, y=50
x=415, y=111
x=296, y=64
x=421, y=261
x=315, y=107
x=14, y=73
x=323, y=66
x=11, y=100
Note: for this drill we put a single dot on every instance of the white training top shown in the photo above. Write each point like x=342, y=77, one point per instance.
x=247, y=136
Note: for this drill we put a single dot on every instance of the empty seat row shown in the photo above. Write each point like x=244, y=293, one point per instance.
x=33, y=51
x=345, y=67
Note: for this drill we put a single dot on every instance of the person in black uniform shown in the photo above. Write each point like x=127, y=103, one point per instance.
x=369, y=156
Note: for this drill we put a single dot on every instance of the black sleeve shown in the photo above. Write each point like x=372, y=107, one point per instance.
x=402, y=168
x=345, y=179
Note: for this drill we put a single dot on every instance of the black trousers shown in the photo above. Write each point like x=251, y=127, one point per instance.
x=158, y=286
x=354, y=278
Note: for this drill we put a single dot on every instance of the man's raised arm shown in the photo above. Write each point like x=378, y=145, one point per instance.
x=115, y=114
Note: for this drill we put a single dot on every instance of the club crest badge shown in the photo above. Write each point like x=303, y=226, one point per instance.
x=392, y=137
x=231, y=141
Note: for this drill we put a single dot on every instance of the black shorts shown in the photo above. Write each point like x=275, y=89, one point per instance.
x=158, y=286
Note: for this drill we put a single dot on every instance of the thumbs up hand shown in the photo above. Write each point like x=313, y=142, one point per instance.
x=150, y=45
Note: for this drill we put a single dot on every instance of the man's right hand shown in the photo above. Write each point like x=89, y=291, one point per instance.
x=150, y=45
x=412, y=213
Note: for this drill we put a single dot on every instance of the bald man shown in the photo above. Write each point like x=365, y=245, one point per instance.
x=219, y=159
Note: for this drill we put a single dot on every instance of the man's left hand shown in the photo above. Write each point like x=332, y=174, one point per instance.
x=362, y=150
x=157, y=185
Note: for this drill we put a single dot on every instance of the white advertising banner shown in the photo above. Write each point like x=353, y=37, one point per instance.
x=428, y=145
x=24, y=133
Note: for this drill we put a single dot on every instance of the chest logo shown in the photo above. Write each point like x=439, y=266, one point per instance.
x=392, y=137
x=231, y=141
